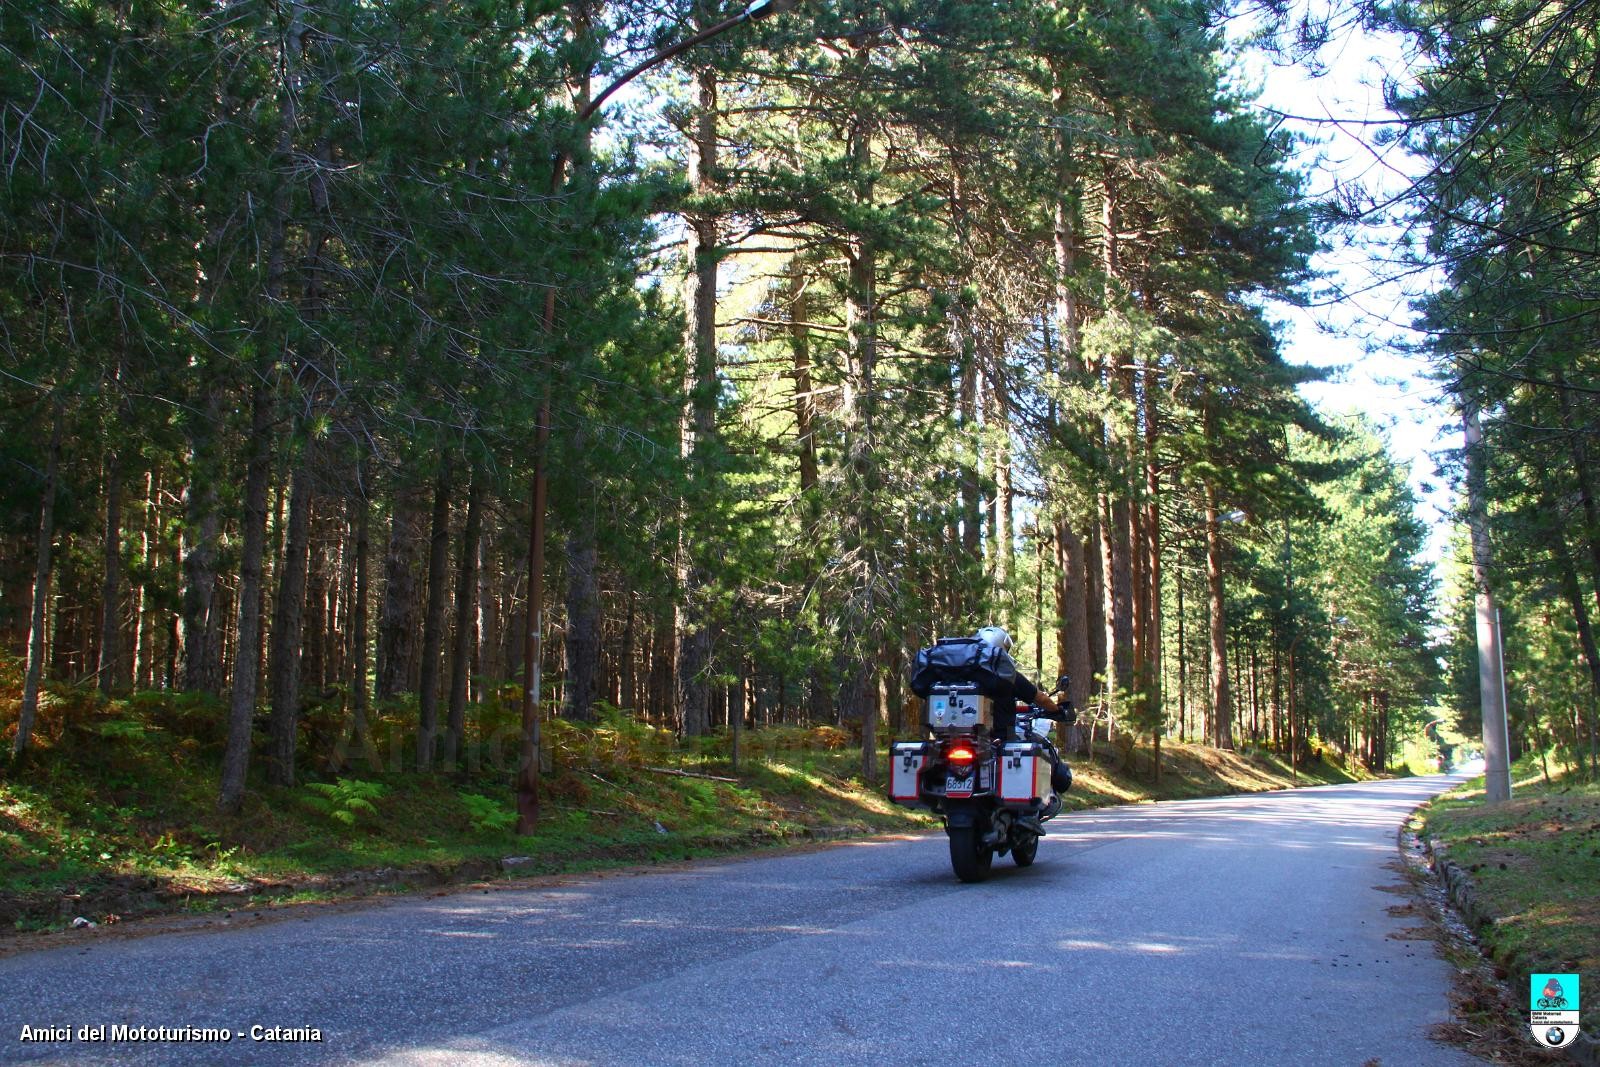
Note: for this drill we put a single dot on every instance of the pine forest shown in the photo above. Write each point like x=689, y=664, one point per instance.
x=382, y=394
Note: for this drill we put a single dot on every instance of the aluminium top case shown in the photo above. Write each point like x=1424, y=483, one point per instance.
x=959, y=709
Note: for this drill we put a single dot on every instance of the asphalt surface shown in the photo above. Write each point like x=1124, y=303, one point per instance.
x=1240, y=930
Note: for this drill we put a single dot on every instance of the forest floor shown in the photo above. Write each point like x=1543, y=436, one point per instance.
x=112, y=816
x=1535, y=865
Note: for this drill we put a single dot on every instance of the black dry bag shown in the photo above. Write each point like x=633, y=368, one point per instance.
x=963, y=661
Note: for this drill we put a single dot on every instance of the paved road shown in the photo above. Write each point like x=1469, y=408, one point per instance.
x=1241, y=930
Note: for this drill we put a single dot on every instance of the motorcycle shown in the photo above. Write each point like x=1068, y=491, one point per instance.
x=995, y=793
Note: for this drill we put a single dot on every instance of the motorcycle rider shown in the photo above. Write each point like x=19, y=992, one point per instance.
x=1022, y=689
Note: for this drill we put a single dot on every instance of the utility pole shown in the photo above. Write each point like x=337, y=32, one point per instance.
x=1491, y=665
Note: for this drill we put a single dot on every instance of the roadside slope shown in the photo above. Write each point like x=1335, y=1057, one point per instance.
x=113, y=818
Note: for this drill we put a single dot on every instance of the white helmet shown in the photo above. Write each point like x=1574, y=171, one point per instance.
x=995, y=637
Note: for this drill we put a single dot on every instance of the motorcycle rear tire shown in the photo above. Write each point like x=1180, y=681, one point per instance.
x=969, y=856
x=1024, y=848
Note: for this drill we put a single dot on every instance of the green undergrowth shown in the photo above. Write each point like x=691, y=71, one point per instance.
x=113, y=815
x=1535, y=862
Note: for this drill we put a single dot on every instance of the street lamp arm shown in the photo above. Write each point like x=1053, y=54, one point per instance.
x=754, y=13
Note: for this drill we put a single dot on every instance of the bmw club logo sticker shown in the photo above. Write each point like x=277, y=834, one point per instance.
x=1553, y=1009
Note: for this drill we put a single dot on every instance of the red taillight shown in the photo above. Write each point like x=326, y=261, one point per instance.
x=961, y=755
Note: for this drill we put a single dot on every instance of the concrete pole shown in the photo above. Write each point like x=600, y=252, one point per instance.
x=1491, y=669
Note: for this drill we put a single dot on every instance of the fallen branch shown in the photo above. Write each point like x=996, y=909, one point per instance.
x=635, y=802
x=689, y=774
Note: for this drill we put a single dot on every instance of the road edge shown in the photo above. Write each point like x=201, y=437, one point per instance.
x=400, y=892
x=1462, y=894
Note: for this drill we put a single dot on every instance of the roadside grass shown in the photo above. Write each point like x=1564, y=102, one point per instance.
x=1122, y=773
x=113, y=815
x=1536, y=864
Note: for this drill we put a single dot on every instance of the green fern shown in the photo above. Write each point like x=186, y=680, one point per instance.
x=123, y=730
x=345, y=800
x=487, y=815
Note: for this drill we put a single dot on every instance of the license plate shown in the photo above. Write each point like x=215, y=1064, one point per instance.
x=957, y=787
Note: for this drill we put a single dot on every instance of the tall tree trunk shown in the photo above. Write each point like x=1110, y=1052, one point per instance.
x=1252, y=678
x=1383, y=730
x=805, y=402
x=111, y=587
x=1075, y=638
x=320, y=645
x=628, y=680
x=1094, y=601
x=433, y=619
x=1040, y=538
x=1151, y=682
x=511, y=592
x=1138, y=586
x=662, y=684
x=969, y=444
x=971, y=450
x=341, y=621
x=397, y=620
x=174, y=641
x=144, y=654
x=861, y=526
x=894, y=696
x=1183, y=652
x=870, y=711
x=1004, y=503
x=611, y=659
x=1115, y=517
x=360, y=685
x=288, y=630
x=1584, y=473
x=277, y=538
x=1138, y=608
x=246, y=668
x=44, y=560
x=1119, y=601
x=1112, y=613
x=249, y=602
x=1279, y=737
x=582, y=643
x=290, y=641
x=692, y=685
x=490, y=662
x=1064, y=230
x=466, y=588
x=1577, y=603
x=700, y=419
x=202, y=615
x=1289, y=701
x=1221, y=695
x=1072, y=639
